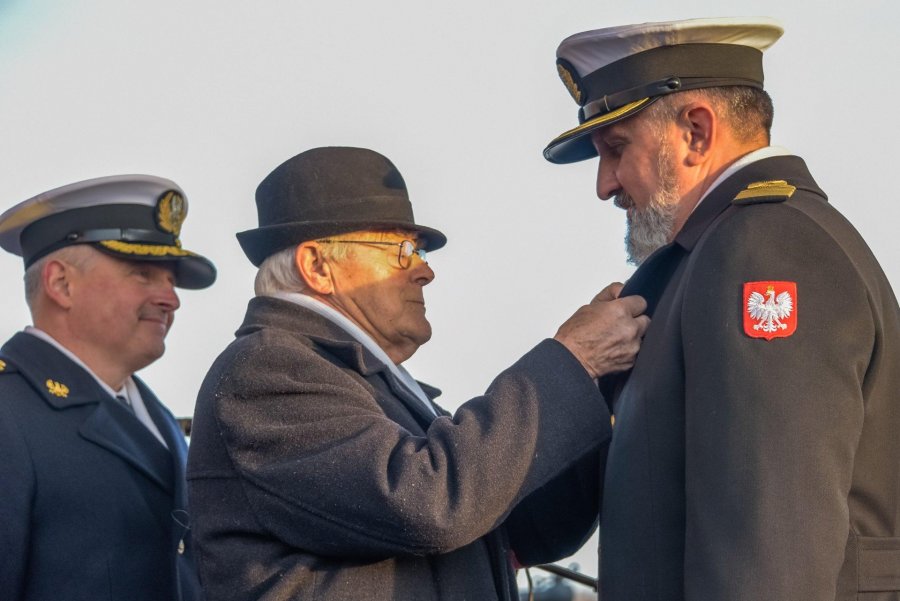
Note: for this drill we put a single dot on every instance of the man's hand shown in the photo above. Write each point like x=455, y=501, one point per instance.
x=605, y=335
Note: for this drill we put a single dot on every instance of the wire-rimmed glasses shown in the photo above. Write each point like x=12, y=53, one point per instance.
x=405, y=252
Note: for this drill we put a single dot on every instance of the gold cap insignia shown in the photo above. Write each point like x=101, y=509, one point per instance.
x=2, y=365
x=171, y=211
x=57, y=389
x=570, y=79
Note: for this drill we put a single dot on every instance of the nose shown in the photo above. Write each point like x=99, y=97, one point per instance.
x=420, y=271
x=607, y=183
x=166, y=297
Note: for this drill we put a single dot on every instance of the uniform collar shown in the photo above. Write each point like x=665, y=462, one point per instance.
x=129, y=389
x=74, y=359
x=50, y=370
x=760, y=168
x=63, y=385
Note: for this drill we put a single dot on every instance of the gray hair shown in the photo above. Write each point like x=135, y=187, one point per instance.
x=278, y=273
x=746, y=109
x=78, y=256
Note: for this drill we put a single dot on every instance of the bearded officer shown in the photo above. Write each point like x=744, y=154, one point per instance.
x=94, y=503
x=755, y=453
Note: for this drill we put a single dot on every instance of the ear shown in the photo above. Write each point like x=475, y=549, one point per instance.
x=700, y=125
x=313, y=268
x=57, y=279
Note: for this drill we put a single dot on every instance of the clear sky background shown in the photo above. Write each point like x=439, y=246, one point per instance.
x=461, y=95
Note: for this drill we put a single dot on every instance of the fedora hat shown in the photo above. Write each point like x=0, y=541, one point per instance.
x=327, y=191
x=133, y=217
x=616, y=72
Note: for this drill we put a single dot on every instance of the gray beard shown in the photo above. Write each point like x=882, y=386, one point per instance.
x=651, y=228
x=648, y=229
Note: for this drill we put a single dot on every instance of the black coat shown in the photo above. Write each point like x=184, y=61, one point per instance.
x=92, y=506
x=312, y=475
x=749, y=469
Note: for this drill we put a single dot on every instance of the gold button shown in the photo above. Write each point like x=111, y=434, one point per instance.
x=181, y=547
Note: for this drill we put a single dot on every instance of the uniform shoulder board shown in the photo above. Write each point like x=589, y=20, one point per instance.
x=767, y=191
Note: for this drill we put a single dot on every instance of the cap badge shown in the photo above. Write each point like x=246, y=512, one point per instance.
x=57, y=389
x=170, y=212
x=2, y=365
x=570, y=79
x=770, y=309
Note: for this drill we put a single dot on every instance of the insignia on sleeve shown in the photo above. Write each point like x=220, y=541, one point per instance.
x=776, y=190
x=770, y=309
x=57, y=389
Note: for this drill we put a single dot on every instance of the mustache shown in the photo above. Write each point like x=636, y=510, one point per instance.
x=156, y=315
x=623, y=201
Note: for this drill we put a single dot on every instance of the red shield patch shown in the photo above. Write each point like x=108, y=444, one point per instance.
x=770, y=309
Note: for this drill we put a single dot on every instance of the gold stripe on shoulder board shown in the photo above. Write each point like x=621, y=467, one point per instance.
x=771, y=190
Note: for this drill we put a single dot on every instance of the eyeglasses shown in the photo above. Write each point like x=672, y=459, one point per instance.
x=404, y=254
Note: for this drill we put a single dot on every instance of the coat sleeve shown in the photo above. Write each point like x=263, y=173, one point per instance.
x=556, y=520
x=17, y=485
x=772, y=426
x=324, y=468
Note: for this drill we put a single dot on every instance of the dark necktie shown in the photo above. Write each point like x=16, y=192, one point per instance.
x=125, y=402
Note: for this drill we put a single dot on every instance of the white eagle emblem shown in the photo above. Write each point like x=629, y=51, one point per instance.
x=768, y=312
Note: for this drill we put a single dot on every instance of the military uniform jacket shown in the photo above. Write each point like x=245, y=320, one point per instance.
x=743, y=468
x=92, y=506
x=313, y=475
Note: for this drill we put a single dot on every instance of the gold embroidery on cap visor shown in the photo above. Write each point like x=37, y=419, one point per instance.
x=171, y=212
x=153, y=250
x=620, y=112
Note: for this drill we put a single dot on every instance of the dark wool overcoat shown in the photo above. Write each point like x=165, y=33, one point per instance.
x=313, y=475
x=92, y=506
x=744, y=468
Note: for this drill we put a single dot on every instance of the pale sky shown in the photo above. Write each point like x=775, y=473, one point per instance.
x=462, y=96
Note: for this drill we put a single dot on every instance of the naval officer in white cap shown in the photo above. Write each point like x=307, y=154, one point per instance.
x=94, y=504
x=755, y=453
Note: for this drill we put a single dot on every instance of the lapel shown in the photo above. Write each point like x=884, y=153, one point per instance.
x=64, y=385
x=171, y=433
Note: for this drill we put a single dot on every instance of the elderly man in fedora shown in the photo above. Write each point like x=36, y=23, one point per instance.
x=93, y=503
x=320, y=469
x=756, y=452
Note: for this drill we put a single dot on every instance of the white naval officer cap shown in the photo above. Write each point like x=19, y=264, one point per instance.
x=615, y=72
x=134, y=217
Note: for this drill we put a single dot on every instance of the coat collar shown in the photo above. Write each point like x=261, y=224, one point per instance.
x=269, y=312
x=63, y=385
